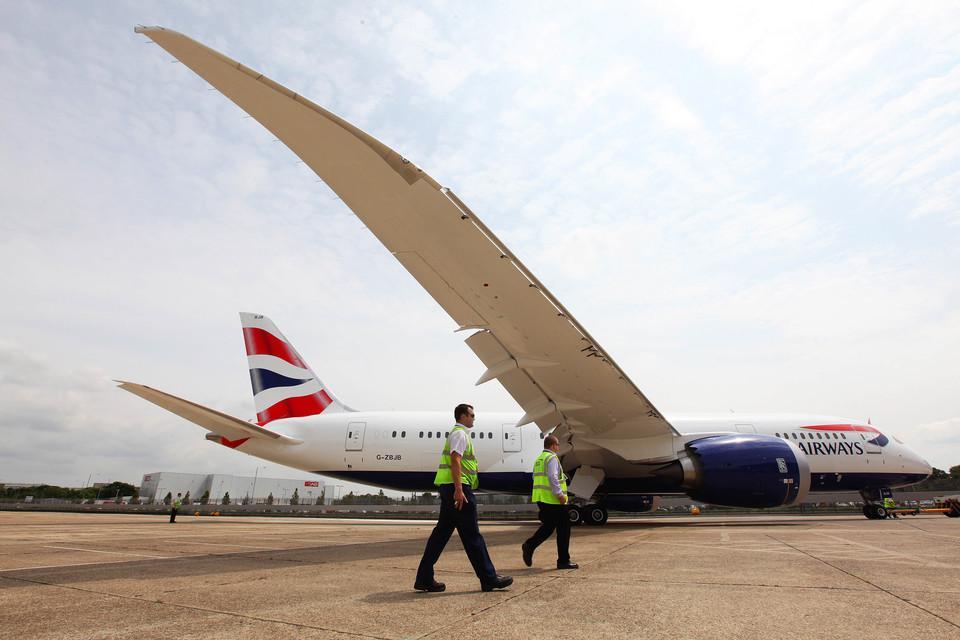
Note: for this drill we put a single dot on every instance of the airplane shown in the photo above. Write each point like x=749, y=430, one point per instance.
x=621, y=451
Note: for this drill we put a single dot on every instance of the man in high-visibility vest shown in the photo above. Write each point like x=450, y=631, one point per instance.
x=456, y=481
x=175, y=505
x=890, y=505
x=550, y=494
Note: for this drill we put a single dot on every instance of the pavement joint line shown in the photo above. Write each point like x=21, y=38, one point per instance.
x=260, y=555
x=161, y=603
x=87, y=564
x=230, y=544
x=955, y=539
x=482, y=610
x=711, y=546
x=872, y=584
x=549, y=580
x=888, y=552
x=116, y=553
x=729, y=584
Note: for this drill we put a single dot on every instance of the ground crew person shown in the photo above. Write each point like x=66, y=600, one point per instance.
x=456, y=481
x=550, y=494
x=890, y=505
x=174, y=507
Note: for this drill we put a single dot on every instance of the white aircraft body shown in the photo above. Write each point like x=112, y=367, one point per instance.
x=619, y=449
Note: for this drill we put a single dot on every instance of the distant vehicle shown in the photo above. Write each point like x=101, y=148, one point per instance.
x=619, y=448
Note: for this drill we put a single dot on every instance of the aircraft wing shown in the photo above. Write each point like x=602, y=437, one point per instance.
x=221, y=424
x=528, y=341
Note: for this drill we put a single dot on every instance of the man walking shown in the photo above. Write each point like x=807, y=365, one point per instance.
x=550, y=494
x=174, y=507
x=456, y=481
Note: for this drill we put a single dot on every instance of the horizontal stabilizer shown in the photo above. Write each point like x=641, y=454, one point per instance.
x=218, y=423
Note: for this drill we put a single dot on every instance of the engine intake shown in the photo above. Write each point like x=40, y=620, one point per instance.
x=745, y=470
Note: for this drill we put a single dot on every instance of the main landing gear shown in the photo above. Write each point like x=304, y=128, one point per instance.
x=595, y=514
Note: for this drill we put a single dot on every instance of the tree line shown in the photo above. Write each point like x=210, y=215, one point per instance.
x=45, y=491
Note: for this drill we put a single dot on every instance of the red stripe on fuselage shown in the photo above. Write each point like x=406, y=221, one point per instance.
x=264, y=343
x=295, y=407
x=842, y=427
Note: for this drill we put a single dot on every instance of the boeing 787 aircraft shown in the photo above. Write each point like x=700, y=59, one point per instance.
x=621, y=451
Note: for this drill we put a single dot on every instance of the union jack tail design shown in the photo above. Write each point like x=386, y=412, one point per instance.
x=284, y=386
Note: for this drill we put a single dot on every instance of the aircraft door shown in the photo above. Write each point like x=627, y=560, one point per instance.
x=355, y=436
x=511, y=438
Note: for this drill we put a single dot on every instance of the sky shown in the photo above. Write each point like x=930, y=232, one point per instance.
x=753, y=207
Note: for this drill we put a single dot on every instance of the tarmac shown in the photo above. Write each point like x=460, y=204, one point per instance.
x=136, y=576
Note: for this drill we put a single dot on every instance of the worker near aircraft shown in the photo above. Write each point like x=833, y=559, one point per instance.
x=175, y=505
x=456, y=480
x=550, y=494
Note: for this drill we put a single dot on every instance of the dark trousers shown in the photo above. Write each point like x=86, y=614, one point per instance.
x=553, y=517
x=465, y=522
x=173, y=514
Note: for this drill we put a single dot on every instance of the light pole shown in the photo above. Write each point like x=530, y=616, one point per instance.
x=255, y=474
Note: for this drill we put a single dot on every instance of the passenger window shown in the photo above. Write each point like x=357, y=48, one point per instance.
x=490, y=434
x=794, y=435
x=843, y=435
x=349, y=434
x=778, y=434
x=448, y=435
x=481, y=435
x=438, y=434
x=421, y=434
x=819, y=436
x=429, y=434
x=403, y=434
x=394, y=434
x=506, y=437
x=473, y=435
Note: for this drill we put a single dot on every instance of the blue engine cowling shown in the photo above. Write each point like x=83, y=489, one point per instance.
x=745, y=470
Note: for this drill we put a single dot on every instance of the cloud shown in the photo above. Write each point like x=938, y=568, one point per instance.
x=752, y=206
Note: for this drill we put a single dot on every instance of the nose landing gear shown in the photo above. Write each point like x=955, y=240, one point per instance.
x=873, y=499
x=874, y=511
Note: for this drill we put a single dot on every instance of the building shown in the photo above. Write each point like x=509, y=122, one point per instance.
x=155, y=487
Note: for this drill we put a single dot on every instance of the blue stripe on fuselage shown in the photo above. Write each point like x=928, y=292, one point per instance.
x=517, y=482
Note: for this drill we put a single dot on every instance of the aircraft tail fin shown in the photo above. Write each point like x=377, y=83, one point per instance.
x=284, y=386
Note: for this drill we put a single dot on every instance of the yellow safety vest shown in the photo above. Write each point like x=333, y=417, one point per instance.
x=177, y=503
x=468, y=463
x=888, y=503
x=542, y=491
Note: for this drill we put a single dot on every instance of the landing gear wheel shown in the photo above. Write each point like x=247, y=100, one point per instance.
x=874, y=511
x=596, y=514
x=575, y=513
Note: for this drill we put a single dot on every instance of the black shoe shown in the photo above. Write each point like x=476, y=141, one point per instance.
x=432, y=587
x=527, y=554
x=567, y=565
x=500, y=582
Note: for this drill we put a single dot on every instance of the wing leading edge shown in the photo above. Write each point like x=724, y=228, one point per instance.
x=527, y=340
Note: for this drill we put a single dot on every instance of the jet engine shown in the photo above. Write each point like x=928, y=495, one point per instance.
x=745, y=470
